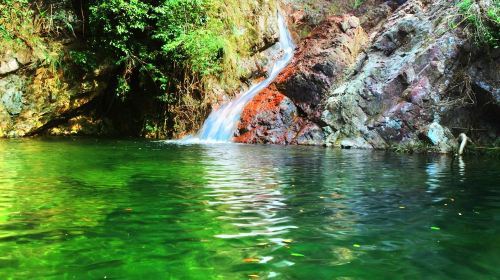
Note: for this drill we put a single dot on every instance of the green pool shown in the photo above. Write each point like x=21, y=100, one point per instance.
x=109, y=209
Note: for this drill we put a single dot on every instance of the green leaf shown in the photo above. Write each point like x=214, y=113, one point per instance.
x=435, y=228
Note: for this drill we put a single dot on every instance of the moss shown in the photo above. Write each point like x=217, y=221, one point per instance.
x=487, y=151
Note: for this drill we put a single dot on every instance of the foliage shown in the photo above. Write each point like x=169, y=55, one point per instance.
x=24, y=25
x=86, y=59
x=163, y=40
x=358, y=3
x=483, y=19
x=16, y=25
x=175, y=51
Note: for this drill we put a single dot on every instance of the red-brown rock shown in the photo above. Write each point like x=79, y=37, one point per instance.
x=289, y=110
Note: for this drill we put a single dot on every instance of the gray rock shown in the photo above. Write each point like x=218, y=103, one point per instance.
x=8, y=66
x=439, y=136
x=355, y=143
x=354, y=22
x=311, y=135
x=11, y=94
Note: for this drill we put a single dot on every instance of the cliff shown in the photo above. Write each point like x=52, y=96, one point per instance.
x=418, y=81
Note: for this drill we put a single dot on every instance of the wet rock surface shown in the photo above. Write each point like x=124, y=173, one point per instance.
x=272, y=118
x=289, y=111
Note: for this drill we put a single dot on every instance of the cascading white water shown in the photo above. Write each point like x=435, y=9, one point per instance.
x=222, y=123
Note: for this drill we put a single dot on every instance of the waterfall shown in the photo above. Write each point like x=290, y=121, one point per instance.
x=222, y=122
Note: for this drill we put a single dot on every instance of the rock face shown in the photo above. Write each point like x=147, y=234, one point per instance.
x=272, y=118
x=289, y=110
x=28, y=104
x=393, y=73
x=415, y=82
x=485, y=74
x=34, y=94
x=402, y=89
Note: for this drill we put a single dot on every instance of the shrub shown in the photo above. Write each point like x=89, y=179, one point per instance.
x=483, y=18
x=16, y=25
x=163, y=40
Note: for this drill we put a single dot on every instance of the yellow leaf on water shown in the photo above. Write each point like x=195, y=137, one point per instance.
x=253, y=276
x=250, y=260
x=297, y=255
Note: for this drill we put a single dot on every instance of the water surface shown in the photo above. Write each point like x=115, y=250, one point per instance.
x=95, y=209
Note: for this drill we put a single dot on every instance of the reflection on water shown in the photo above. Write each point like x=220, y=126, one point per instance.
x=435, y=171
x=246, y=192
x=90, y=209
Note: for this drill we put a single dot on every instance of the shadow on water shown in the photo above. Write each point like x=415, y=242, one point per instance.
x=129, y=209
